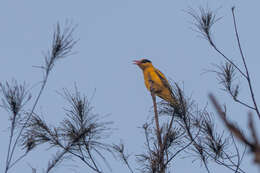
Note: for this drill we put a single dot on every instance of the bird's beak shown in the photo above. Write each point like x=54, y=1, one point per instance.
x=136, y=62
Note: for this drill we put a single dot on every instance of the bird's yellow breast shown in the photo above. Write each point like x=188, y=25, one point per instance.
x=150, y=76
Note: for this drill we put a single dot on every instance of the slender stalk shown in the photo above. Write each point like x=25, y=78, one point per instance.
x=9, y=145
x=237, y=151
x=206, y=166
x=234, y=164
x=182, y=149
x=91, y=158
x=148, y=142
x=192, y=139
x=68, y=149
x=157, y=121
x=167, y=133
x=245, y=65
x=226, y=58
x=244, y=104
x=61, y=47
x=80, y=157
x=129, y=167
x=17, y=160
x=27, y=120
x=54, y=163
x=158, y=132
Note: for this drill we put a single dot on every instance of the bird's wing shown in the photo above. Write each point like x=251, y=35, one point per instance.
x=163, y=79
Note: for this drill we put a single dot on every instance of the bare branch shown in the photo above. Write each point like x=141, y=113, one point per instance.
x=63, y=43
x=245, y=65
x=204, y=20
x=120, y=149
x=15, y=96
x=254, y=146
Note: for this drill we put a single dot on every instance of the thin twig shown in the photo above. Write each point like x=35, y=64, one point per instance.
x=91, y=158
x=227, y=59
x=238, y=154
x=27, y=120
x=183, y=148
x=17, y=160
x=9, y=145
x=156, y=120
x=245, y=65
x=167, y=134
x=147, y=140
x=244, y=104
x=158, y=131
x=61, y=47
x=56, y=160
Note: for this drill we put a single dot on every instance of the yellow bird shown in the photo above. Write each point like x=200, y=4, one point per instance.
x=156, y=81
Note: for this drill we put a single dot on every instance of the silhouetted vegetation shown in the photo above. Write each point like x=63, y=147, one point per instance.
x=175, y=131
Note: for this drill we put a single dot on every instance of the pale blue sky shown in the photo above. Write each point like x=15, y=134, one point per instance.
x=112, y=33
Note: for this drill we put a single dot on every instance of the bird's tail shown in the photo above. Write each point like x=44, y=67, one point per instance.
x=170, y=98
x=173, y=101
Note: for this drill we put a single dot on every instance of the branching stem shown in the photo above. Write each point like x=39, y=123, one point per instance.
x=245, y=65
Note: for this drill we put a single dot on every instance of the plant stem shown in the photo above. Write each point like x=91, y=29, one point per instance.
x=244, y=62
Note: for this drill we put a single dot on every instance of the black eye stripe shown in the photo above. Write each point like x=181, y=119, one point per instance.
x=145, y=61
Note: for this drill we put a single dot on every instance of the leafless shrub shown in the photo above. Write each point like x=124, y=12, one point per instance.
x=252, y=143
x=80, y=134
x=190, y=131
x=226, y=74
x=204, y=20
x=14, y=97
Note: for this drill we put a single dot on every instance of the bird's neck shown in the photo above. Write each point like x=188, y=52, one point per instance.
x=147, y=68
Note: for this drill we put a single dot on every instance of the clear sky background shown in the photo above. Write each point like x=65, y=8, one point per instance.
x=112, y=33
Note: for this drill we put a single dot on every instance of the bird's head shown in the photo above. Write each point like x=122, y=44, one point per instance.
x=143, y=63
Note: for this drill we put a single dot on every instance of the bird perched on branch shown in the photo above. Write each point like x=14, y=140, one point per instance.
x=155, y=81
